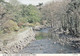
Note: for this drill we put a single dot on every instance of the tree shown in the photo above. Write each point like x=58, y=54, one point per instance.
x=73, y=17
x=14, y=2
x=55, y=14
x=18, y=14
x=33, y=13
x=1, y=0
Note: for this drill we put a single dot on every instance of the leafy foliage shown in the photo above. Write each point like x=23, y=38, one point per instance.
x=33, y=13
x=1, y=0
x=10, y=25
x=13, y=15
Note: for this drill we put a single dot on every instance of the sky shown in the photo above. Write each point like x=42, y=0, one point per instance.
x=34, y=2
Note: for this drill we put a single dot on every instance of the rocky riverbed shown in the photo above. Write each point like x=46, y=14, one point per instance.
x=46, y=45
x=43, y=44
x=21, y=40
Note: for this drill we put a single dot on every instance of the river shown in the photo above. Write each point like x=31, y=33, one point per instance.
x=46, y=45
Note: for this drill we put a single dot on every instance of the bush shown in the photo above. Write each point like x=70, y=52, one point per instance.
x=1, y=31
x=33, y=13
x=10, y=25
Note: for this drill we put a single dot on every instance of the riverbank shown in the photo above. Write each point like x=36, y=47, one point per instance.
x=67, y=40
x=45, y=45
x=18, y=42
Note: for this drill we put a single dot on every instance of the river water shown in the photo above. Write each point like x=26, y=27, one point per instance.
x=46, y=45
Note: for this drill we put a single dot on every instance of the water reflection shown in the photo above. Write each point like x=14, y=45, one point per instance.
x=44, y=33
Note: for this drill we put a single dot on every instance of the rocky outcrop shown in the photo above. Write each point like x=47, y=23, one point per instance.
x=19, y=42
x=39, y=27
x=67, y=40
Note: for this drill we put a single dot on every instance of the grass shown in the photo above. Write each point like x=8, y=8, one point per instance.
x=22, y=29
x=12, y=35
x=4, y=38
x=40, y=37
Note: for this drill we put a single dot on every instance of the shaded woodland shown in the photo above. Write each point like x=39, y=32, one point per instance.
x=63, y=15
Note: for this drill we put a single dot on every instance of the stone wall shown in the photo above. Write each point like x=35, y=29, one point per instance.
x=19, y=42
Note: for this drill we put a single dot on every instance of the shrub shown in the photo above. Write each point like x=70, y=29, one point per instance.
x=10, y=25
x=1, y=31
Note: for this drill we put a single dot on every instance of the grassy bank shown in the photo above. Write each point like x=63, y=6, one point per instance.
x=12, y=35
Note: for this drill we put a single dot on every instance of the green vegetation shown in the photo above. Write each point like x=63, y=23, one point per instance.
x=39, y=37
x=14, y=16
x=1, y=0
x=34, y=14
x=10, y=25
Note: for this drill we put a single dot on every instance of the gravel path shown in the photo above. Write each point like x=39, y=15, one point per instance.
x=45, y=46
